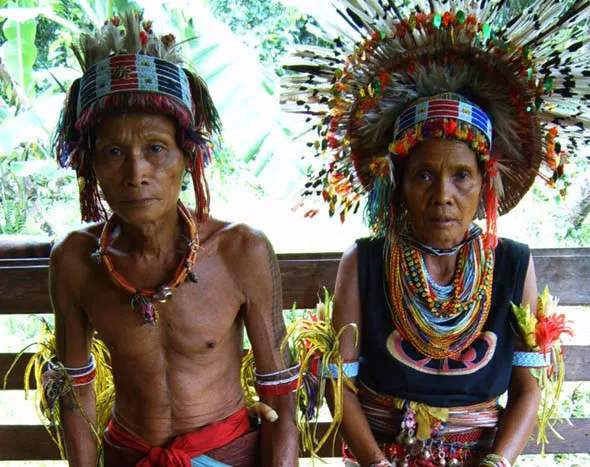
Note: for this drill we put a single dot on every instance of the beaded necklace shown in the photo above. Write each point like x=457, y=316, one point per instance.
x=474, y=232
x=143, y=299
x=438, y=323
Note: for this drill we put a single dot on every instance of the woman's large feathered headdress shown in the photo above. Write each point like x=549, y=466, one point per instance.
x=529, y=74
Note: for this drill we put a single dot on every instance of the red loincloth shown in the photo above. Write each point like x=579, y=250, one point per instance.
x=216, y=440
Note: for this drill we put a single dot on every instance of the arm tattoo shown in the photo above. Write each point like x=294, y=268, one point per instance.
x=278, y=324
x=68, y=403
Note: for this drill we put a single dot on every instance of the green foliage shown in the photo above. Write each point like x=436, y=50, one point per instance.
x=266, y=26
x=19, y=51
x=39, y=64
x=30, y=196
x=30, y=185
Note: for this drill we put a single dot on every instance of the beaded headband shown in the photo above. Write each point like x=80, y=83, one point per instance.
x=448, y=116
x=134, y=72
x=529, y=72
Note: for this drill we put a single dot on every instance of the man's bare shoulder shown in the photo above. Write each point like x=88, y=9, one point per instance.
x=73, y=251
x=234, y=236
x=243, y=248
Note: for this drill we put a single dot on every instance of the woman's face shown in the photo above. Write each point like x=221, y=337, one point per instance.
x=441, y=187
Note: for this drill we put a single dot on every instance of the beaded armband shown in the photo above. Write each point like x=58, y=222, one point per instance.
x=80, y=376
x=83, y=375
x=531, y=359
x=349, y=369
x=315, y=343
x=278, y=383
x=541, y=334
x=494, y=460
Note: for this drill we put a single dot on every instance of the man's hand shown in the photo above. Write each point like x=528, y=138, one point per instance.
x=261, y=278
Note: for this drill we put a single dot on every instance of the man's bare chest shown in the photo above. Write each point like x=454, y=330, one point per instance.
x=197, y=318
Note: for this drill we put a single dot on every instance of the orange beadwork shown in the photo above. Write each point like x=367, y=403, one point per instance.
x=144, y=297
x=406, y=278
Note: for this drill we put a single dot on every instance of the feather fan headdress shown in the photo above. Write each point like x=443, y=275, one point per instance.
x=529, y=77
x=127, y=68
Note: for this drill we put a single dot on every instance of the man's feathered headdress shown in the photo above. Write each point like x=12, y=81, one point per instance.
x=528, y=75
x=127, y=68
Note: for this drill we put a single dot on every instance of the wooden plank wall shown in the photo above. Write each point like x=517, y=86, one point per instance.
x=23, y=290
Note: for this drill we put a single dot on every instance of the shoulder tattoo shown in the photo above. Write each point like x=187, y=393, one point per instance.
x=278, y=324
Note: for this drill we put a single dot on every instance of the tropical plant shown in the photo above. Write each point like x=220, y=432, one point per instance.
x=33, y=93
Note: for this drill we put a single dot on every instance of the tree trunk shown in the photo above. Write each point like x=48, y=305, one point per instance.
x=579, y=208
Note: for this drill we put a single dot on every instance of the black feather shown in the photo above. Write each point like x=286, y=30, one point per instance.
x=395, y=10
x=575, y=46
x=347, y=19
x=356, y=18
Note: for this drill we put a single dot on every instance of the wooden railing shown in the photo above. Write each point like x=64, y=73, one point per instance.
x=23, y=290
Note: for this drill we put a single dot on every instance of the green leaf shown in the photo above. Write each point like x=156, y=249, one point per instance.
x=31, y=126
x=46, y=168
x=255, y=148
x=124, y=5
x=19, y=51
x=21, y=14
x=69, y=25
x=95, y=12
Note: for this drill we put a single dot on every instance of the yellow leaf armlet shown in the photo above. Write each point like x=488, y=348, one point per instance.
x=542, y=335
x=316, y=345
x=53, y=381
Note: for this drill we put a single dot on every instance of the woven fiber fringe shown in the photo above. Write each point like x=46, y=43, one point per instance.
x=47, y=404
x=317, y=345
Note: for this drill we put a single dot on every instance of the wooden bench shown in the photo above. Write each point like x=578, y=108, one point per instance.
x=23, y=290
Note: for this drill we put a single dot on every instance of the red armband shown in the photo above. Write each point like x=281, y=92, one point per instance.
x=275, y=384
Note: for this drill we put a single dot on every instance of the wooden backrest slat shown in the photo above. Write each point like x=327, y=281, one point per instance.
x=24, y=286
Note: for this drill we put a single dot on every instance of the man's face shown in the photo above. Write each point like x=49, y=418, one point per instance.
x=442, y=186
x=139, y=165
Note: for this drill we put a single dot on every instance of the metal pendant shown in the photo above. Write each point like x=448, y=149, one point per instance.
x=193, y=276
x=425, y=454
x=149, y=312
x=163, y=294
x=452, y=462
x=97, y=255
x=409, y=440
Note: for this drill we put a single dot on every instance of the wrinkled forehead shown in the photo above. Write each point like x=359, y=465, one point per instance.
x=442, y=152
x=141, y=123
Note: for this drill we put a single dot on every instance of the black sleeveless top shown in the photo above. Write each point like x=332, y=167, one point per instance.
x=391, y=365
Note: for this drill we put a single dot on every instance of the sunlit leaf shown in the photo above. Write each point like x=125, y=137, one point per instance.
x=19, y=51
x=45, y=168
x=31, y=126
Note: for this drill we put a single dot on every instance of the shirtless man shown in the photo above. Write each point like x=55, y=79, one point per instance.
x=170, y=303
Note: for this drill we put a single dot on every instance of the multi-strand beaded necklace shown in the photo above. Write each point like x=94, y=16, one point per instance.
x=439, y=321
x=143, y=299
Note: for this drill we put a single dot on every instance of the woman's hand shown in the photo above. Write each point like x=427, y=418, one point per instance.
x=518, y=419
x=347, y=309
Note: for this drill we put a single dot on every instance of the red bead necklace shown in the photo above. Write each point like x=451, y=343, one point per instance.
x=143, y=299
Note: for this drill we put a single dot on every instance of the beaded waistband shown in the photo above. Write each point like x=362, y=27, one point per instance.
x=391, y=417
